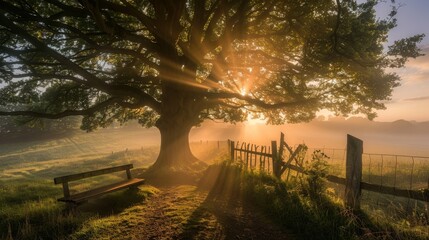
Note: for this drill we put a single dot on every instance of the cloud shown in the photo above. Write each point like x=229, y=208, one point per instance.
x=417, y=98
x=417, y=70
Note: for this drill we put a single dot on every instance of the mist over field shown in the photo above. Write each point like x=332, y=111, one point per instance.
x=399, y=137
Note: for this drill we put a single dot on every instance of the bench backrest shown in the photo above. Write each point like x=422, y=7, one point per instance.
x=77, y=176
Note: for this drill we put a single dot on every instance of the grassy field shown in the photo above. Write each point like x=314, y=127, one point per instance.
x=404, y=172
x=29, y=208
x=28, y=194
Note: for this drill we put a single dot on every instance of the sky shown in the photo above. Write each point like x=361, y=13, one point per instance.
x=410, y=101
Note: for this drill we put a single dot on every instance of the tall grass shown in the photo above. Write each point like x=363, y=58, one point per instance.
x=405, y=172
x=311, y=209
x=30, y=210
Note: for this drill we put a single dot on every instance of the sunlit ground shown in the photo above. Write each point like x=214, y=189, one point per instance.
x=27, y=169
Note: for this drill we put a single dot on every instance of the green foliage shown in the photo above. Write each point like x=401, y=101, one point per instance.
x=309, y=218
x=125, y=60
x=321, y=217
x=316, y=171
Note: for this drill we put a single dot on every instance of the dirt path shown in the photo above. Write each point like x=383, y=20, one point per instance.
x=184, y=212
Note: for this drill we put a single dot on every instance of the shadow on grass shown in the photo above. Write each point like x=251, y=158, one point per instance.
x=288, y=207
x=236, y=219
x=113, y=203
x=33, y=212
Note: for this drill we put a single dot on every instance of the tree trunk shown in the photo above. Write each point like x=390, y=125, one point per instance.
x=175, y=152
x=175, y=158
x=179, y=113
x=176, y=163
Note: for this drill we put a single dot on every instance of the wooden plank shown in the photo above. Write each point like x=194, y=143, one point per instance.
x=83, y=196
x=276, y=162
x=292, y=157
x=422, y=195
x=256, y=158
x=336, y=179
x=353, y=172
x=261, y=164
x=247, y=155
x=287, y=146
x=66, y=190
x=296, y=168
x=243, y=146
x=268, y=162
x=282, y=139
x=129, y=174
x=231, y=149
x=254, y=152
x=77, y=176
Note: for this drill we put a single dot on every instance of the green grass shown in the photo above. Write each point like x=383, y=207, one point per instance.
x=389, y=170
x=28, y=195
x=28, y=205
x=29, y=210
x=112, y=215
x=316, y=217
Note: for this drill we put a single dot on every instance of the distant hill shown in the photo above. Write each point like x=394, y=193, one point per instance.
x=401, y=137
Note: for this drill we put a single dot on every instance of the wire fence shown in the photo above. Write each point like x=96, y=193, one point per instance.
x=390, y=170
x=398, y=171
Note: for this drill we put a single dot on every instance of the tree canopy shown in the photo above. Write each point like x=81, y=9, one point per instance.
x=178, y=62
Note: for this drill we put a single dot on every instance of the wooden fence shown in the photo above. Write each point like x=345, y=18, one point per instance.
x=271, y=159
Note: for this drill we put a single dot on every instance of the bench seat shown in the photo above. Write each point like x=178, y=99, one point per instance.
x=93, y=193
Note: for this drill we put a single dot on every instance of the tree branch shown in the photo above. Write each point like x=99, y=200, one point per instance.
x=260, y=103
x=65, y=113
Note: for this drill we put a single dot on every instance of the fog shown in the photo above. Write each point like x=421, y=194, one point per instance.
x=399, y=137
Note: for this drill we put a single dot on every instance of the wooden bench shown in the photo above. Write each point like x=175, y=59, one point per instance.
x=81, y=197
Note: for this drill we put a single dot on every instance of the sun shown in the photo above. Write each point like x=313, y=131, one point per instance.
x=243, y=91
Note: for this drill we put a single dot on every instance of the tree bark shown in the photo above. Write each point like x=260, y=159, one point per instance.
x=175, y=152
x=175, y=123
x=179, y=113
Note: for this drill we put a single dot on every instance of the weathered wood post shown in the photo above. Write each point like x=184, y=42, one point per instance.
x=353, y=172
x=246, y=154
x=282, y=142
x=275, y=157
x=232, y=149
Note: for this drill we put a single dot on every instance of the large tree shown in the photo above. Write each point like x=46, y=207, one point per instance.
x=174, y=63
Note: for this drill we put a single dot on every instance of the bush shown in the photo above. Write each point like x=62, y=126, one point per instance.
x=315, y=178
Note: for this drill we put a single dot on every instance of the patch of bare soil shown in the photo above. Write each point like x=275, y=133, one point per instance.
x=184, y=212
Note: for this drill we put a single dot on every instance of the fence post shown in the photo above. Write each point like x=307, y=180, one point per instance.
x=276, y=162
x=282, y=140
x=231, y=149
x=353, y=172
x=247, y=155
